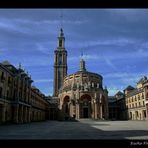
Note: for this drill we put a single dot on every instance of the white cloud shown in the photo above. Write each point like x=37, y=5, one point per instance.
x=42, y=49
x=116, y=42
x=126, y=78
x=85, y=57
x=43, y=81
x=110, y=63
x=22, y=25
x=34, y=61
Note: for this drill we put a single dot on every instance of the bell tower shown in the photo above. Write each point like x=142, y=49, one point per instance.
x=60, y=63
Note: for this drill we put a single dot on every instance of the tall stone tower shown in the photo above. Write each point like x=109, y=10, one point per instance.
x=60, y=63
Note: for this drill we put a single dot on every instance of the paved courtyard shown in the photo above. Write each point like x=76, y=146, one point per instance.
x=83, y=129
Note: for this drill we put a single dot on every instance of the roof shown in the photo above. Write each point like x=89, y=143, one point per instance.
x=111, y=99
x=134, y=92
x=89, y=73
x=6, y=63
x=119, y=93
x=129, y=87
x=142, y=79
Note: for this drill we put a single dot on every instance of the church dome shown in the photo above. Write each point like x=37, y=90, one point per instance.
x=82, y=80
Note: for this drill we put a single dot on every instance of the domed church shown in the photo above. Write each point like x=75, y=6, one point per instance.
x=81, y=94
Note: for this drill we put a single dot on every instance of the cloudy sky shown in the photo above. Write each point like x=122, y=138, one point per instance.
x=114, y=42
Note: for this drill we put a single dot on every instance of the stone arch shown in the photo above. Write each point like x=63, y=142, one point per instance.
x=85, y=97
x=136, y=115
x=130, y=116
x=65, y=106
x=66, y=99
x=147, y=95
x=103, y=106
x=85, y=106
x=144, y=114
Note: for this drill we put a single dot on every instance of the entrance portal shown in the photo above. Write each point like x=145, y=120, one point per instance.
x=85, y=112
x=85, y=106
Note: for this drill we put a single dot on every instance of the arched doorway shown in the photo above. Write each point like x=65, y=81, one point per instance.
x=130, y=117
x=136, y=115
x=66, y=106
x=85, y=106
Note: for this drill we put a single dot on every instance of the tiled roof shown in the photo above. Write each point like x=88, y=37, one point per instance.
x=119, y=93
x=129, y=88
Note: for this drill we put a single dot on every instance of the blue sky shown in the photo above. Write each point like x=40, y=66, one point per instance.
x=114, y=42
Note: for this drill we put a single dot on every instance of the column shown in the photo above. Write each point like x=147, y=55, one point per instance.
x=29, y=112
x=70, y=110
x=17, y=89
x=100, y=111
x=21, y=114
x=25, y=112
x=3, y=113
x=92, y=110
x=107, y=111
x=95, y=110
x=16, y=115
x=77, y=111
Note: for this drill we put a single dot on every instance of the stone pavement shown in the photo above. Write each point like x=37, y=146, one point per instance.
x=83, y=129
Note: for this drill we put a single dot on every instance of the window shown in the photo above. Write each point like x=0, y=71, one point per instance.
x=60, y=43
x=144, y=113
x=147, y=95
x=2, y=76
x=9, y=80
x=1, y=90
x=60, y=59
x=142, y=96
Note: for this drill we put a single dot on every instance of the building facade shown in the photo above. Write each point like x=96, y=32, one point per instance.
x=16, y=101
x=81, y=94
x=117, y=107
x=136, y=100
x=40, y=108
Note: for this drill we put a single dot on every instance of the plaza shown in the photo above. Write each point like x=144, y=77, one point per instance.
x=81, y=129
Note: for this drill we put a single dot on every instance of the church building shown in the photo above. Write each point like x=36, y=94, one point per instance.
x=81, y=94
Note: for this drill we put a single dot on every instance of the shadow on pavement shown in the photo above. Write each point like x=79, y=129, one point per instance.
x=68, y=130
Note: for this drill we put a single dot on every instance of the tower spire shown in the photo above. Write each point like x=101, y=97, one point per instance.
x=82, y=65
x=81, y=53
x=82, y=62
x=61, y=19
